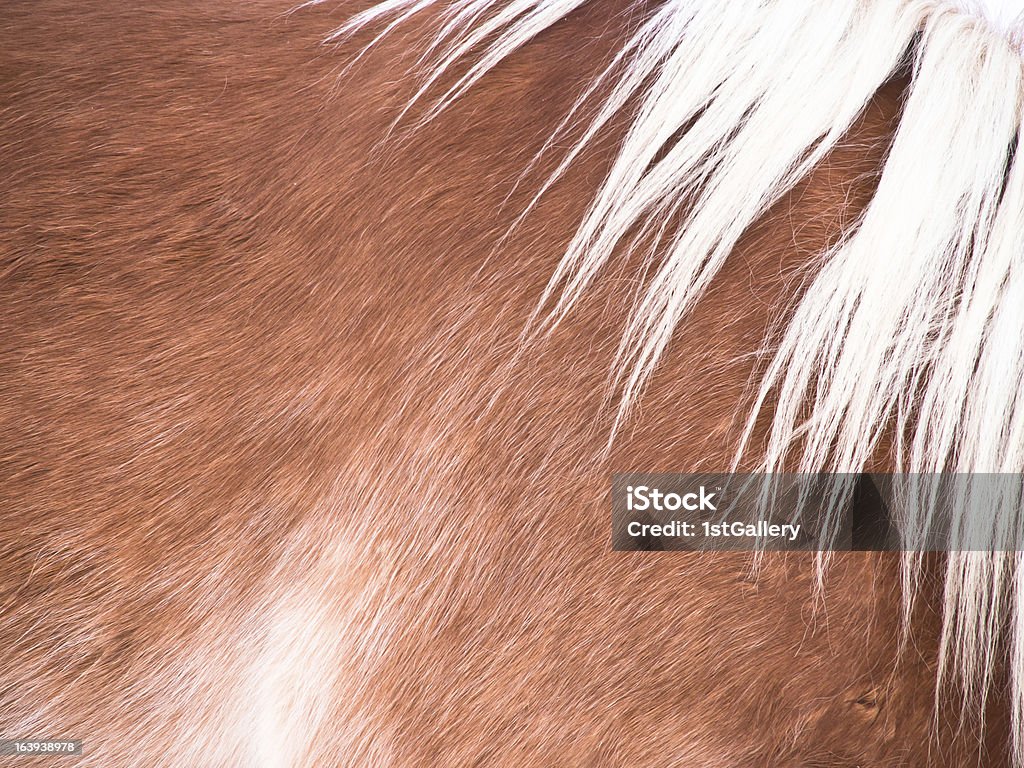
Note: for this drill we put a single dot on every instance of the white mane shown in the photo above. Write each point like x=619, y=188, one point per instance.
x=915, y=320
x=1003, y=15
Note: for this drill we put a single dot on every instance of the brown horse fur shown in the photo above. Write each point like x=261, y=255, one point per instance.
x=277, y=490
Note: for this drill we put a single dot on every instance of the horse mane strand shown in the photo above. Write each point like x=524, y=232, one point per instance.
x=912, y=324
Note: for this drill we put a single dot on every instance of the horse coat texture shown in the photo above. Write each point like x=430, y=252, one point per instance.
x=317, y=352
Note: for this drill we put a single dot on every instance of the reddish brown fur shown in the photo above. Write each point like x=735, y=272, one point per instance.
x=255, y=385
